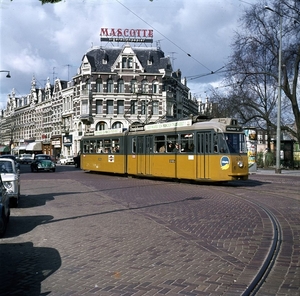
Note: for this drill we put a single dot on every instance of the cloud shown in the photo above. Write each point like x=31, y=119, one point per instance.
x=50, y=40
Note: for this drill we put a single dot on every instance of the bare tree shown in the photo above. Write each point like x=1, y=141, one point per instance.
x=252, y=73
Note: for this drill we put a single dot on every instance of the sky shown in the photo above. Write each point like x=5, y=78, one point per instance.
x=48, y=41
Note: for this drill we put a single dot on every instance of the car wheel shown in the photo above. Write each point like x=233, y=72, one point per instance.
x=14, y=202
x=3, y=223
x=32, y=170
x=53, y=170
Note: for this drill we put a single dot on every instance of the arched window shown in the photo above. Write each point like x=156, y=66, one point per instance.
x=117, y=124
x=134, y=88
x=99, y=85
x=120, y=86
x=100, y=126
x=88, y=84
x=80, y=129
x=144, y=86
x=110, y=86
x=124, y=62
x=155, y=87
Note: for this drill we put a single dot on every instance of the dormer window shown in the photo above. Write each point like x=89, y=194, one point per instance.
x=150, y=60
x=127, y=62
x=130, y=63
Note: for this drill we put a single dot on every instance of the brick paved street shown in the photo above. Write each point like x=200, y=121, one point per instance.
x=87, y=234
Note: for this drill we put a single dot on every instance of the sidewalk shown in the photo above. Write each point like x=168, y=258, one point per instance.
x=271, y=171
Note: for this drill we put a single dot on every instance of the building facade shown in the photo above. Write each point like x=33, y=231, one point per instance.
x=114, y=87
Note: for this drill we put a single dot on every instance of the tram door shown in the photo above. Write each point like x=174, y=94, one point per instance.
x=148, y=153
x=140, y=154
x=204, y=150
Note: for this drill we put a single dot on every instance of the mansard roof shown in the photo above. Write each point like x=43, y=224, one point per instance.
x=158, y=60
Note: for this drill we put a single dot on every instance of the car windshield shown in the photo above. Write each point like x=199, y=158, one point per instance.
x=6, y=167
x=43, y=157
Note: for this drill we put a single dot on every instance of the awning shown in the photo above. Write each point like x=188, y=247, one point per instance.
x=4, y=149
x=34, y=146
x=21, y=147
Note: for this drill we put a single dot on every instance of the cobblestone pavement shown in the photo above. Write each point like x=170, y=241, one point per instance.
x=89, y=234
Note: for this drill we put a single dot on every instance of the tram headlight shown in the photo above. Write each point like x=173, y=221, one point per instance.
x=240, y=164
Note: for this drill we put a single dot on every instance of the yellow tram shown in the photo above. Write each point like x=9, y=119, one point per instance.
x=212, y=151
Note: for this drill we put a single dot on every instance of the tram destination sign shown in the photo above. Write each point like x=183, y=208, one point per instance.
x=126, y=35
x=171, y=124
x=234, y=128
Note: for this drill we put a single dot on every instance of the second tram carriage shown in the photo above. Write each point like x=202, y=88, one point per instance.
x=212, y=150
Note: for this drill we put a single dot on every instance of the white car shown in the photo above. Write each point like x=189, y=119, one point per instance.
x=67, y=160
x=10, y=176
x=26, y=158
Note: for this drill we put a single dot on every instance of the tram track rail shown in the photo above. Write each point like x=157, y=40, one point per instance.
x=270, y=259
x=290, y=193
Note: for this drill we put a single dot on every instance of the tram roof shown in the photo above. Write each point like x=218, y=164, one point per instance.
x=217, y=124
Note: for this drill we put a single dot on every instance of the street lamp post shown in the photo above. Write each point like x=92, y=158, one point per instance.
x=278, y=132
x=8, y=73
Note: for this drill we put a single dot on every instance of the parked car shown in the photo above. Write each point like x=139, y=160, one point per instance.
x=4, y=208
x=10, y=176
x=13, y=157
x=67, y=160
x=77, y=160
x=43, y=162
x=26, y=158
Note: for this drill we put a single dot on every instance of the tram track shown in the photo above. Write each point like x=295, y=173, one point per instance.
x=270, y=259
x=277, y=232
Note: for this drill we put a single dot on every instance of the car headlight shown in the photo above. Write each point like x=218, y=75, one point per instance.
x=8, y=186
x=240, y=164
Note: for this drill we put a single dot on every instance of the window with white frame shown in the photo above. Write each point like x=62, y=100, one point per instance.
x=84, y=107
x=155, y=88
x=144, y=86
x=99, y=106
x=99, y=85
x=110, y=86
x=109, y=107
x=155, y=109
x=133, y=107
x=120, y=86
x=120, y=106
x=134, y=87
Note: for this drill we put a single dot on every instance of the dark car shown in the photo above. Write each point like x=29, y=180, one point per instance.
x=4, y=209
x=42, y=162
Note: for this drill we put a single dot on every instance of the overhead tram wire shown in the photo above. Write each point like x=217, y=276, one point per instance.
x=188, y=54
x=206, y=74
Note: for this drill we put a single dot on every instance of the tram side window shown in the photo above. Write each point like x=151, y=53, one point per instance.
x=86, y=146
x=115, y=145
x=107, y=146
x=187, y=143
x=160, y=144
x=133, y=145
x=92, y=147
x=208, y=143
x=172, y=143
x=99, y=146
